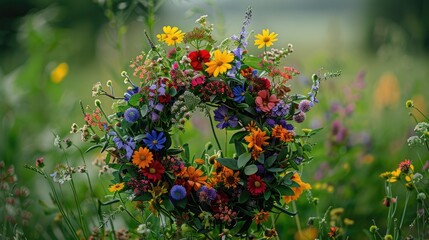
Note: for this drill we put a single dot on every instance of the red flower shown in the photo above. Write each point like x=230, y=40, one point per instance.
x=256, y=185
x=197, y=59
x=264, y=101
x=154, y=171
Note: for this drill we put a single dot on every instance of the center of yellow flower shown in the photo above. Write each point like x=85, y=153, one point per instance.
x=152, y=170
x=142, y=157
x=174, y=38
x=267, y=39
x=219, y=63
x=257, y=184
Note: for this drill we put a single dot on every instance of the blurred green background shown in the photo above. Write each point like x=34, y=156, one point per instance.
x=381, y=47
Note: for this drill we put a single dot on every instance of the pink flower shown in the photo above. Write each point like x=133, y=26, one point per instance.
x=264, y=101
x=197, y=81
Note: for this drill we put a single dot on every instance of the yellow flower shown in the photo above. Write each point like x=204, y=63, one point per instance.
x=266, y=38
x=297, y=190
x=59, y=73
x=220, y=63
x=116, y=187
x=171, y=35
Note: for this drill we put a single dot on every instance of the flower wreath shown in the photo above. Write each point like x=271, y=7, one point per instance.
x=248, y=96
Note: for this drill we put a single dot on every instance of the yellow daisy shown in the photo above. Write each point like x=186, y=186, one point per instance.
x=266, y=38
x=220, y=63
x=171, y=35
x=116, y=187
x=59, y=73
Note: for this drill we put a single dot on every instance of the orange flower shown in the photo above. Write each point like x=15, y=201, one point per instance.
x=230, y=179
x=282, y=133
x=142, y=158
x=261, y=216
x=256, y=140
x=193, y=177
x=297, y=190
x=251, y=126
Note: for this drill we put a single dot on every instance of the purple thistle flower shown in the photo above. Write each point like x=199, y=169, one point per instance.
x=131, y=115
x=299, y=117
x=238, y=92
x=304, y=105
x=221, y=115
x=178, y=192
x=206, y=195
x=154, y=140
x=131, y=92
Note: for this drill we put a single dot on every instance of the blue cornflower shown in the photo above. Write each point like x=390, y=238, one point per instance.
x=155, y=141
x=238, y=92
x=131, y=115
x=130, y=92
x=178, y=192
x=221, y=115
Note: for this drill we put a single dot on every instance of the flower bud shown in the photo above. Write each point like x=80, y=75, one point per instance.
x=373, y=229
x=421, y=196
x=409, y=104
x=315, y=77
x=97, y=103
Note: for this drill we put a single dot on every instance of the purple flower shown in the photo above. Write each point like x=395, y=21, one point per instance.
x=238, y=92
x=206, y=195
x=270, y=122
x=281, y=109
x=154, y=140
x=286, y=125
x=131, y=115
x=130, y=92
x=305, y=105
x=221, y=115
x=178, y=192
x=299, y=117
x=129, y=145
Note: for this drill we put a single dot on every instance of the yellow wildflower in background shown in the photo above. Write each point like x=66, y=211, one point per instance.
x=171, y=35
x=59, y=73
x=220, y=63
x=387, y=91
x=309, y=233
x=265, y=39
x=116, y=187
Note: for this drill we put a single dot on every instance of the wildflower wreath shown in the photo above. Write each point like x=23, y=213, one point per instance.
x=223, y=193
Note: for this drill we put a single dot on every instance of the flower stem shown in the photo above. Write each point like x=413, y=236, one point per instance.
x=213, y=130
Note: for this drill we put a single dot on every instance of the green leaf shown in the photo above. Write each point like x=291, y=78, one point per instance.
x=282, y=154
x=261, y=158
x=144, y=110
x=244, y=196
x=139, y=137
x=230, y=163
x=307, y=147
x=285, y=190
x=269, y=161
x=172, y=91
x=293, y=164
x=275, y=169
x=242, y=105
x=252, y=62
x=168, y=204
x=239, y=148
x=135, y=100
x=238, y=136
x=174, y=151
x=243, y=159
x=186, y=156
x=93, y=147
x=251, y=169
x=267, y=194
